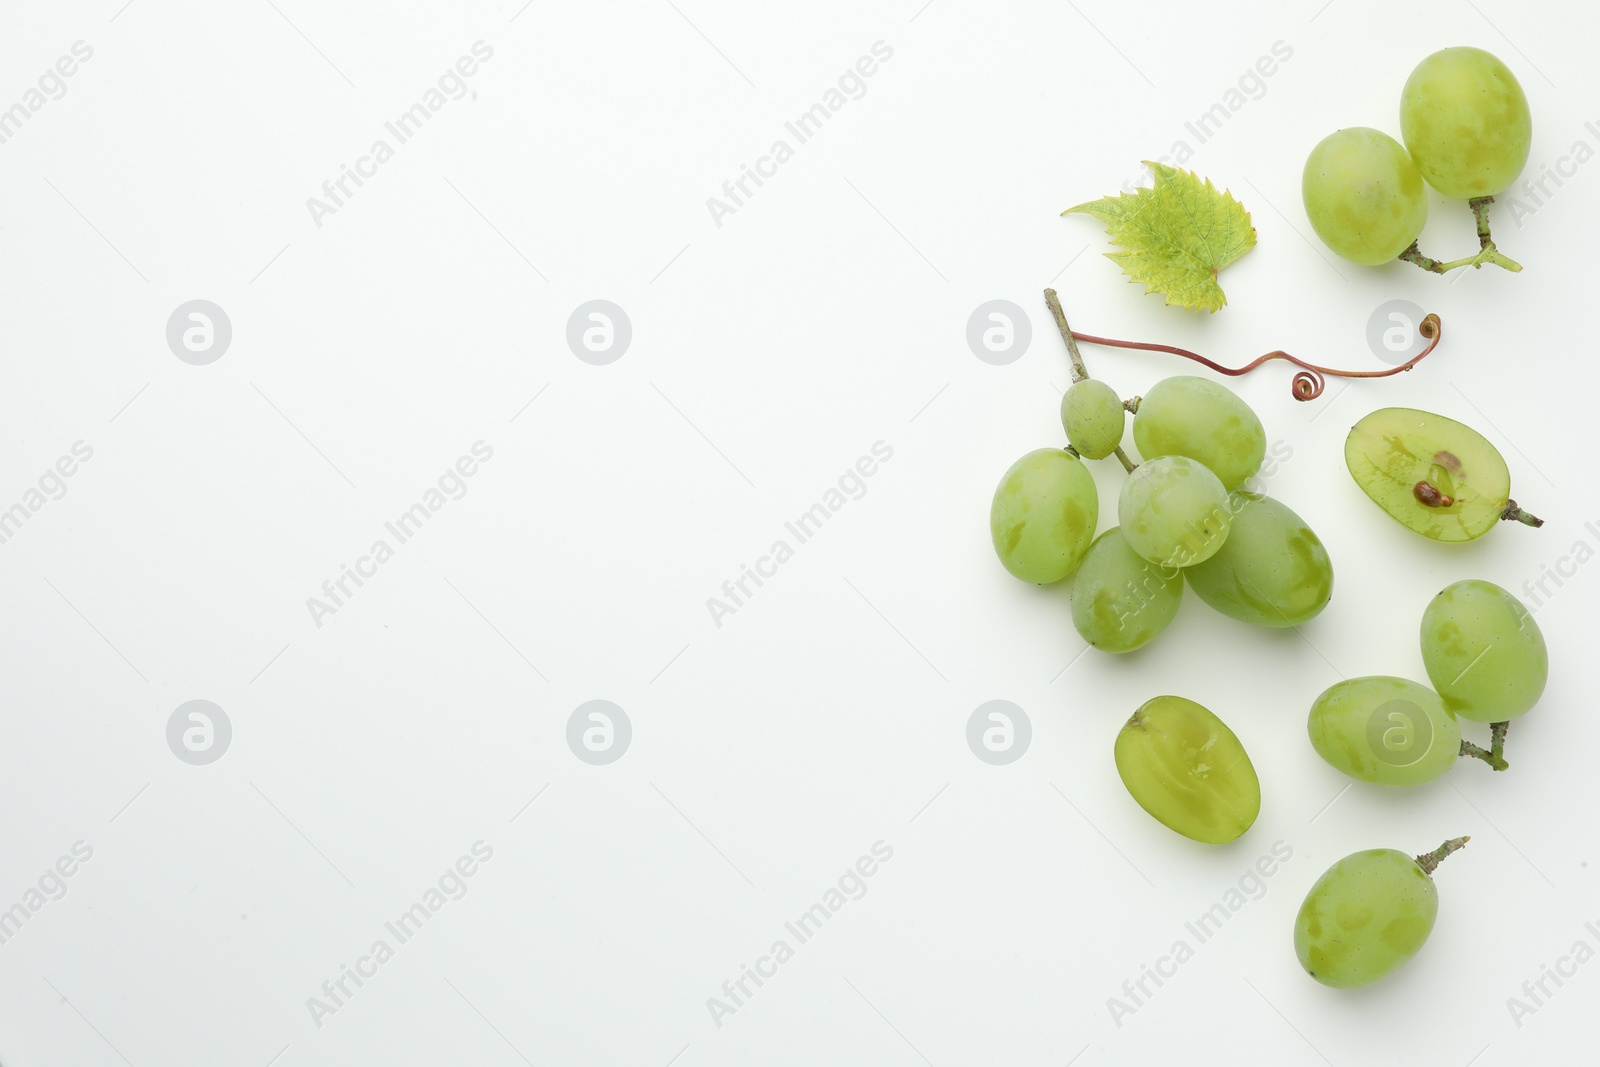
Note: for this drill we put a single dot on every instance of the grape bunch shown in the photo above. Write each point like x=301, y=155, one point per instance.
x=1467, y=132
x=1488, y=663
x=1182, y=515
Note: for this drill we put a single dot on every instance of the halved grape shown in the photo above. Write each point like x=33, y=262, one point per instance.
x=1365, y=917
x=1196, y=417
x=1043, y=515
x=1385, y=730
x=1465, y=119
x=1188, y=770
x=1432, y=474
x=1483, y=651
x=1093, y=416
x=1364, y=195
x=1173, y=511
x=1120, y=600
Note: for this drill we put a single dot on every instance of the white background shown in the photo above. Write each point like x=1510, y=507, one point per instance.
x=768, y=354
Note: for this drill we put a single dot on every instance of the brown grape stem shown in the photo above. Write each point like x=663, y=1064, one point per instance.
x=1122, y=457
x=1079, y=371
x=1429, y=861
x=1512, y=513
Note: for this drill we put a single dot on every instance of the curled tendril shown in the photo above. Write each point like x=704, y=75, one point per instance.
x=1308, y=382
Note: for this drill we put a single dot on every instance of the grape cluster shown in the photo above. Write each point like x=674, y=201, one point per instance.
x=1181, y=514
x=1467, y=132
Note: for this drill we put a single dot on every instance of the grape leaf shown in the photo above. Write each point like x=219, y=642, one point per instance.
x=1177, y=235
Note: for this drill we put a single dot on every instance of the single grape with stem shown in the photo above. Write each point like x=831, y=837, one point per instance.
x=1486, y=657
x=1369, y=914
x=1465, y=120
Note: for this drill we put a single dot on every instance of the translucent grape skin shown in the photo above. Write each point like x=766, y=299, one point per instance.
x=1120, y=600
x=1093, y=416
x=1272, y=570
x=1483, y=652
x=1043, y=515
x=1391, y=731
x=1465, y=119
x=1364, y=195
x=1188, y=770
x=1196, y=417
x=1365, y=917
x=1173, y=511
x=1392, y=451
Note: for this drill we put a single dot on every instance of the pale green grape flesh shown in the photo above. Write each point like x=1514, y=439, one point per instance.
x=1188, y=770
x=1465, y=119
x=1393, y=449
x=1391, y=731
x=1174, y=511
x=1196, y=417
x=1365, y=917
x=1120, y=600
x=1364, y=195
x=1483, y=652
x=1093, y=416
x=1272, y=570
x=1043, y=515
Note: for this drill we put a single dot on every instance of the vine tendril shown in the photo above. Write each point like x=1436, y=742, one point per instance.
x=1307, y=383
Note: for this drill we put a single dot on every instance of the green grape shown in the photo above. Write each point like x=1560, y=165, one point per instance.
x=1120, y=600
x=1483, y=651
x=1272, y=570
x=1465, y=119
x=1092, y=415
x=1368, y=915
x=1364, y=195
x=1043, y=515
x=1196, y=417
x=1188, y=770
x=1385, y=730
x=1173, y=511
x=1432, y=474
